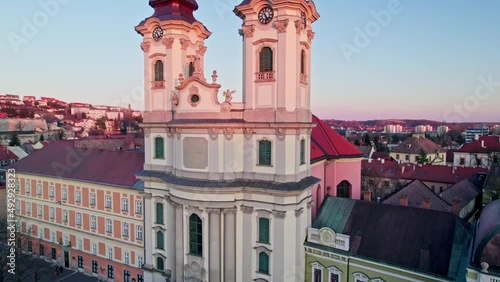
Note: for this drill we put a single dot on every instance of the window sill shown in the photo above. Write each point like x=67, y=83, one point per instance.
x=263, y=243
x=264, y=165
x=263, y=273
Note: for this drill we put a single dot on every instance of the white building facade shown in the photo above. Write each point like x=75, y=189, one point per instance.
x=227, y=184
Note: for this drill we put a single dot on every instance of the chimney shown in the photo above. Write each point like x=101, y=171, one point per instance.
x=403, y=200
x=382, y=161
x=413, y=167
x=403, y=169
x=367, y=196
x=482, y=144
x=426, y=204
x=455, y=206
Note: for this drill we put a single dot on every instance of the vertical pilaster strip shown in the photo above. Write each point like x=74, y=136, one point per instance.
x=148, y=247
x=171, y=245
x=279, y=245
x=179, y=243
x=230, y=245
x=248, y=251
x=214, y=237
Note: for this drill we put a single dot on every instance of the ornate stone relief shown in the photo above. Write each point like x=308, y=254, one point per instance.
x=228, y=133
x=231, y=210
x=299, y=212
x=181, y=78
x=145, y=46
x=214, y=133
x=178, y=131
x=248, y=133
x=202, y=50
x=299, y=26
x=175, y=98
x=310, y=35
x=216, y=211
x=168, y=42
x=279, y=214
x=280, y=132
x=248, y=30
x=226, y=105
x=214, y=77
x=170, y=132
x=281, y=25
x=246, y=209
x=184, y=43
x=195, y=210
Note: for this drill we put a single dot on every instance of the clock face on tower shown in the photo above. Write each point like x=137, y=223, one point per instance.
x=157, y=33
x=266, y=14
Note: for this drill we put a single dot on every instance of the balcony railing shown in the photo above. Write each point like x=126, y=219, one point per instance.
x=263, y=76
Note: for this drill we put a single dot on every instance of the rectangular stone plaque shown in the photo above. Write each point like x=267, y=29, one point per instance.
x=195, y=152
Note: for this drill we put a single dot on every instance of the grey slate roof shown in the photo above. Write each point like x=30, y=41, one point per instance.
x=417, y=191
x=169, y=178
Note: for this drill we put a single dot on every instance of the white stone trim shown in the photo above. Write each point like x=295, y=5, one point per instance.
x=358, y=276
x=316, y=265
x=334, y=270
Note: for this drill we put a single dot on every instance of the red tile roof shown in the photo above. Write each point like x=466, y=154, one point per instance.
x=491, y=144
x=61, y=159
x=326, y=143
x=414, y=145
x=431, y=173
x=6, y=154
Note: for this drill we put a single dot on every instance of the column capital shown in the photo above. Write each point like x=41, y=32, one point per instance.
x=281, y=25
x=147, y=196
x=279, y=214
x=299, y=212
x=175, y=205
x=309, y=204
x=214, y=211
x=246, y=209
x=231, y=210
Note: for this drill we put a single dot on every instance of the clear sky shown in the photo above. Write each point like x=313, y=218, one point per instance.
x=428, y=60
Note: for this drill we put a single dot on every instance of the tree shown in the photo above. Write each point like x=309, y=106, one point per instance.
x=15, y=141
x=422, y=157
x=366, y=139
x=41, y=138
x=357, y=142
x=395, y=139
x=101, y=123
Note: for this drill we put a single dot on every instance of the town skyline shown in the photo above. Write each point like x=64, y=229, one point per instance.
x=432, y=59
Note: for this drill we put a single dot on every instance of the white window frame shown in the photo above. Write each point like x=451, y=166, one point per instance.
x=125, y=229
x=28, y=186
x=78, y=196
x=52, y=191
x=108, y=200
x=126, y=258
x=40, y=210
x=64, y=193
x=94, y=248
x=125, y=204
x=334, y=270
x=140, y=261
x=110, y=253
x=18, y=206
x=53, y=236
x=377, y=280
x=66, y=240
x=92, y=199
x=109, y=226
x=40, y=232
x=52, y=213
x=18, y=186
x=78, y=219
x=65, y=216
x=139, y=231
x=93, y=222
x=360, y=276
x=138, y=207
x=314, y=266
x=80, y=244
x=28, y=208
x=39, y=189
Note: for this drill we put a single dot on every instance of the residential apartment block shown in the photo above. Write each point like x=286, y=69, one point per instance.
x=83, y=209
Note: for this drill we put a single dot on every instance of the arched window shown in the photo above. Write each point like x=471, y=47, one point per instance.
x=264, y=230
x=159, y=148
x=344, y=189
x=195, y=235
x=266, y=60
x=302, y=151
x=303, y=62
x=263, y=262
x=159, y=71
x=159, y=264
x=191, y=69
x=264, y=152
x=160, y=240
x=159, y=213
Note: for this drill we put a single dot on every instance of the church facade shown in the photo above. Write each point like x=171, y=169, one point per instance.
x=228, y=188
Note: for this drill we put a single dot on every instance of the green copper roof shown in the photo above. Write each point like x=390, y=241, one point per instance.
x=334, y=214
x=459, y=252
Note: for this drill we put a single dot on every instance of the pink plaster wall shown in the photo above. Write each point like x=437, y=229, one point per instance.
x=336, y=172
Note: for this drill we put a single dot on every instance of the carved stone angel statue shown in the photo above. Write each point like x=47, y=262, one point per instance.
x=229, y=95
